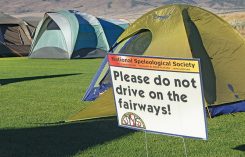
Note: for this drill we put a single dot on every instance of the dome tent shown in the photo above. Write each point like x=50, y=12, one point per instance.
x=15, y=38
x=180, y=31
x=71, y=34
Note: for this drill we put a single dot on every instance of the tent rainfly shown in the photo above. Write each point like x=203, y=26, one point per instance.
x=180, y=31
x=32, y=22
x=71, y=34
x=15, y=38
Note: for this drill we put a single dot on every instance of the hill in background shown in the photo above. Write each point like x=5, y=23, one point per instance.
x=114, y=8
x=126, y=9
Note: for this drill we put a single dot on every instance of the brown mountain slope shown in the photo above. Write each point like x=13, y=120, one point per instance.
x=110, y=7
x=128, y=9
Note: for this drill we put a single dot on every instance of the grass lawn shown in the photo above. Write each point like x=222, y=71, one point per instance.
x=36, y=95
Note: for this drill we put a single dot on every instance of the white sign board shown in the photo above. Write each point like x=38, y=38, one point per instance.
x=159, y=95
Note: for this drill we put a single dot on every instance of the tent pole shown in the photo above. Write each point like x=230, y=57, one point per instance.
x=209, y=114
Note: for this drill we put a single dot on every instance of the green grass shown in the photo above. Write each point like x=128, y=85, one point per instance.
x=36, y=95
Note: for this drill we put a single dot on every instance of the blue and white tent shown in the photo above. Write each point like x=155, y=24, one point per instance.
x=71, y=34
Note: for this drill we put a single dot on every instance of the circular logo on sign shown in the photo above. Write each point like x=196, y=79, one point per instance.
x=133, y=120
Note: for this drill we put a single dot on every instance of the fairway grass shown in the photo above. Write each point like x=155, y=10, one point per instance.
x=37, y=95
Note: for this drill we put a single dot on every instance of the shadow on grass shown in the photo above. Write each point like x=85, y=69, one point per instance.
x=241, y=147
x=15, y=80
x=60, y=140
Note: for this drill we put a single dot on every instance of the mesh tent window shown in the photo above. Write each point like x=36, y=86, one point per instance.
x=52, y=26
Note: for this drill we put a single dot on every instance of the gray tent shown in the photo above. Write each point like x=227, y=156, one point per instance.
x=15, y=38
x=32, y=23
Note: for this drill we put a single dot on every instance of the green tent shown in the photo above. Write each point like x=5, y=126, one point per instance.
x=180, y=31
x=71, y=34
x=15, y=38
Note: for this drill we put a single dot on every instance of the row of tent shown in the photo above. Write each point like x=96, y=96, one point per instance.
x=179, y=31
x=64, y=34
